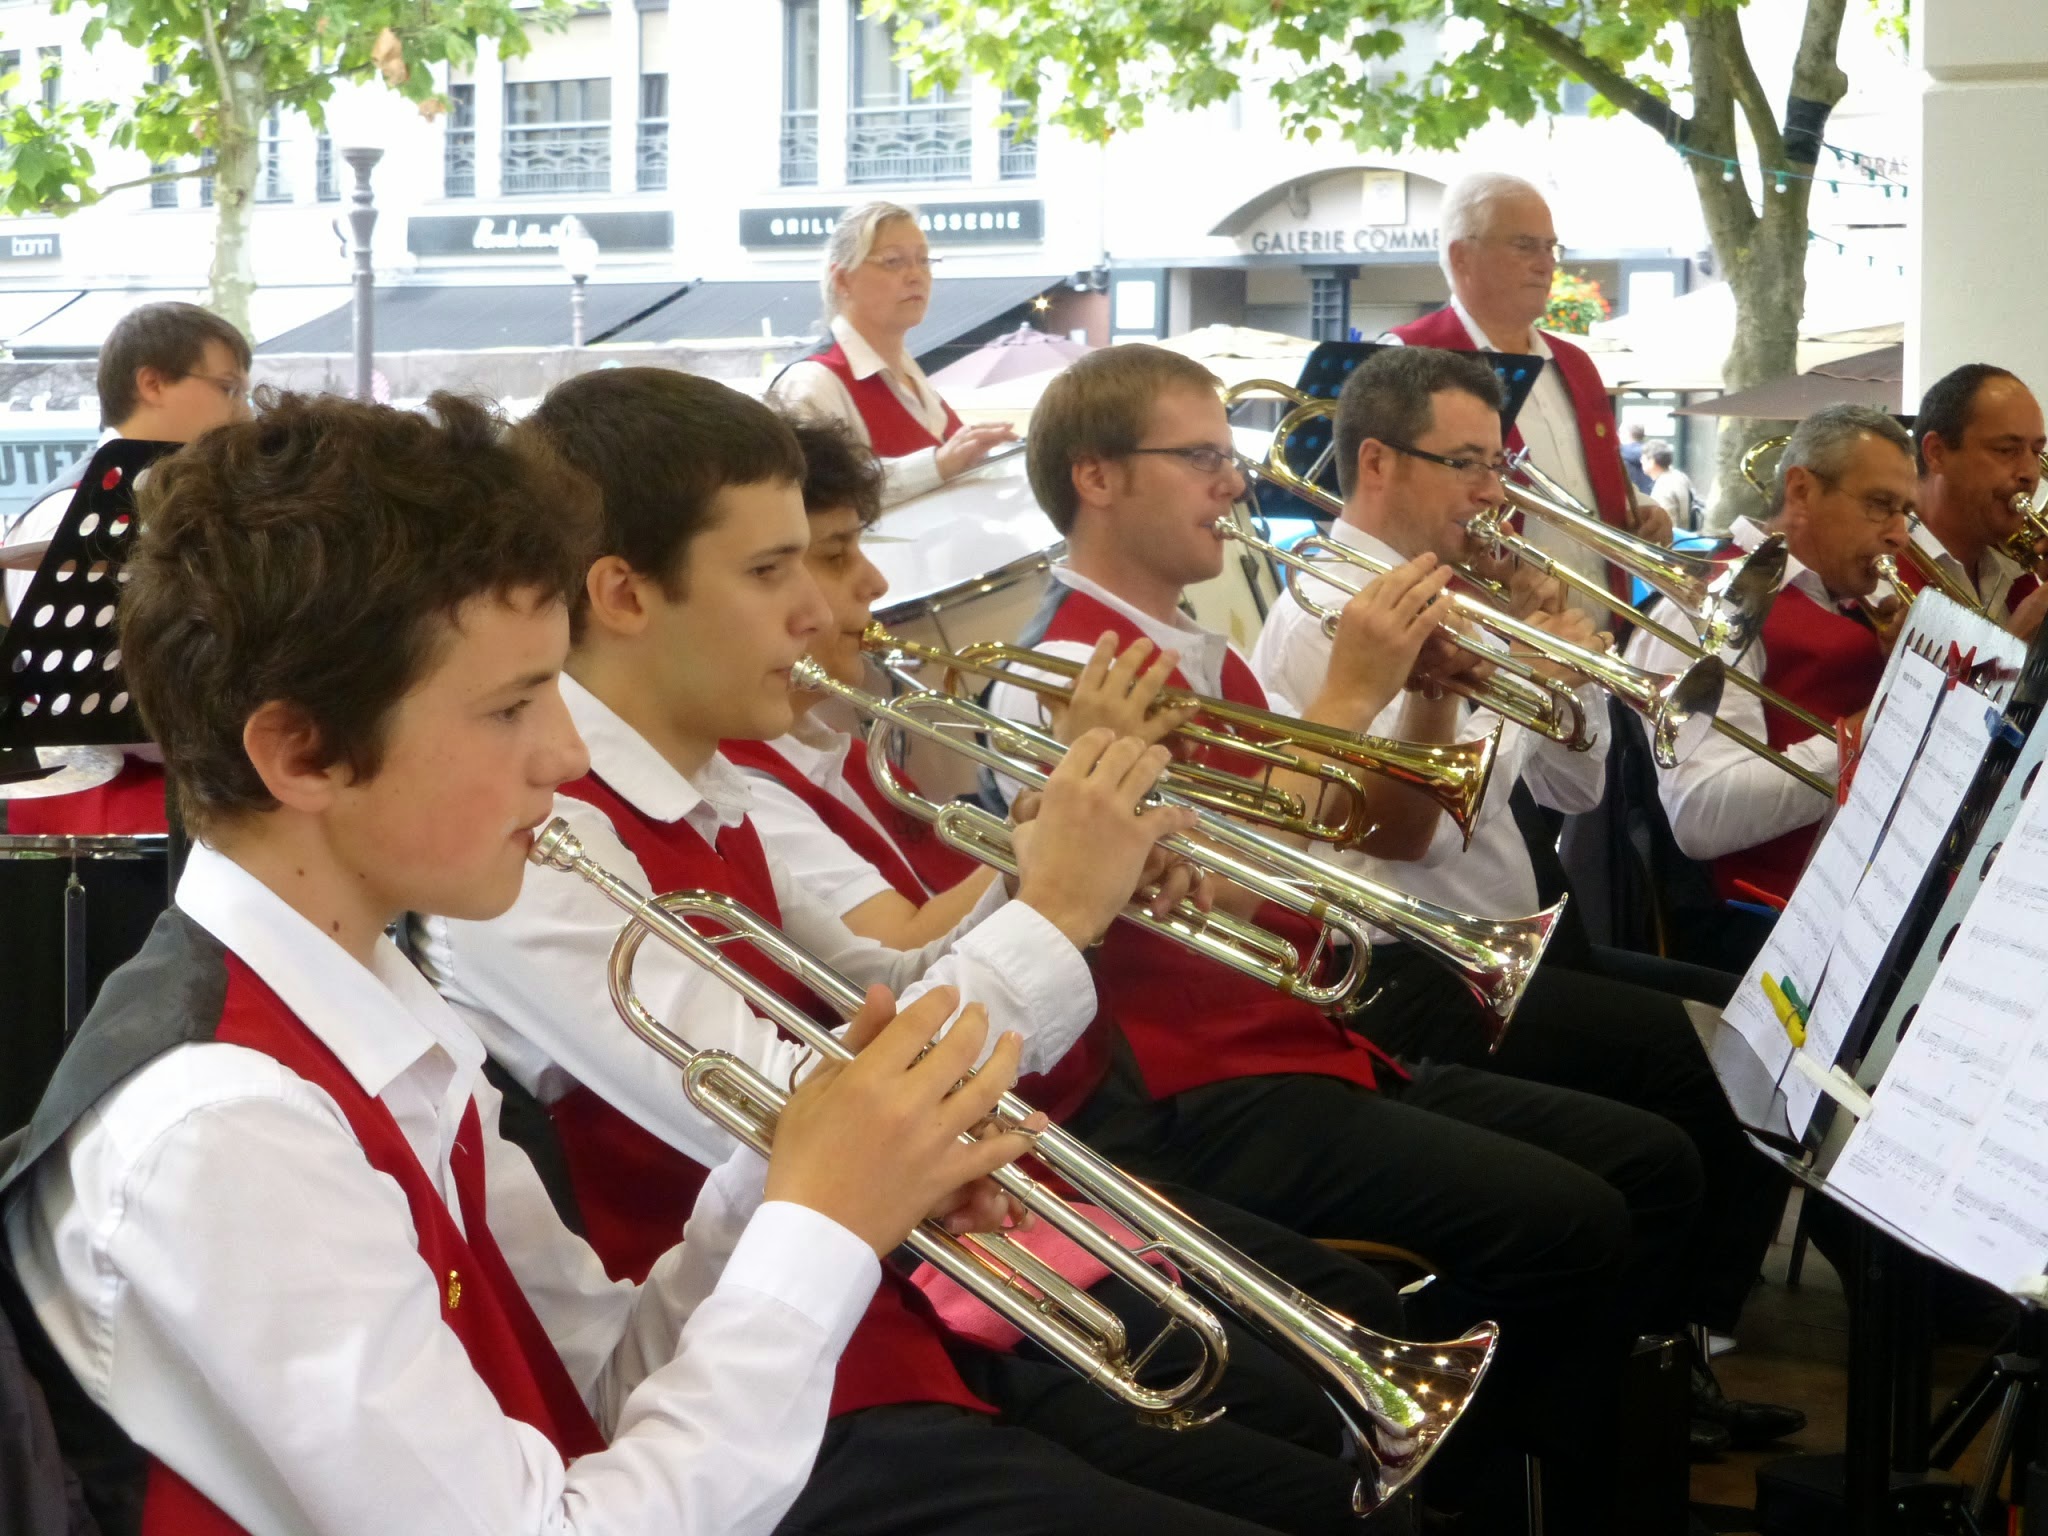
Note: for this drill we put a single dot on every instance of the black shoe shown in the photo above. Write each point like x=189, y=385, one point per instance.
x=1707, y=1440
x=1748, y=1425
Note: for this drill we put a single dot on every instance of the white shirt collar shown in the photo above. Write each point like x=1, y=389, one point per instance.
x=1202, y=650
x=815, y=750
x=1486, y=343
x=632, y=768
x=1746, y=534
x=379, y=1021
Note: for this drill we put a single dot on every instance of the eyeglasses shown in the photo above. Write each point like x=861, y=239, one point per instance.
x=232, y=388
x=1202, y=458
x=1879, y=507
x=1529, y=248
x=1471, y=469
x=896, y=264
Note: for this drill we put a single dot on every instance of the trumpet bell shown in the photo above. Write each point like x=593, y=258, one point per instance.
x=1743, y=596
x=1683, y=711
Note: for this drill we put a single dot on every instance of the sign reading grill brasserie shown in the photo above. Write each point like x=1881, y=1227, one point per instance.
x=994, y=223
x=534, y=234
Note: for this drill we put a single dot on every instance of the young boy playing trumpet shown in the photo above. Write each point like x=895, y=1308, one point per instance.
x=697, y=606
x=275, y=1264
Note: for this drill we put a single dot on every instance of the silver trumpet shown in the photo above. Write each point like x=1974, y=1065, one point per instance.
x=1494, y=957
x=1399, y=1398
x=1677, y=707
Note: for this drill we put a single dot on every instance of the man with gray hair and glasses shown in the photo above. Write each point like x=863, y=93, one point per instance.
x=1844, y=490
x=1499, y=250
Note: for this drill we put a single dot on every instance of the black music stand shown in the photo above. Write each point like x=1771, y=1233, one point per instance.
x=1310, y=449
x=61, y=682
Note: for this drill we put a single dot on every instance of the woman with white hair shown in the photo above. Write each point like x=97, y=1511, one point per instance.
x=877, y=284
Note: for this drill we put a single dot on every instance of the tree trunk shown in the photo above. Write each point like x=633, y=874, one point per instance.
x=1769, y=285
x=238, y=162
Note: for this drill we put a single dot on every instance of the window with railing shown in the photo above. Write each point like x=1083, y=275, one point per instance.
x=272, y=184
x=1017, y=151
x=50, y=72
x=325, y=185
x=458, y=152
x=894, y=132
x=650, y=146
x=558, y=136
x=800, y=93
x=162, y=194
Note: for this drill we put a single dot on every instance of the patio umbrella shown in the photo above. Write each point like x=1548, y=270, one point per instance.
x=1869, y=378
x=1017, y=354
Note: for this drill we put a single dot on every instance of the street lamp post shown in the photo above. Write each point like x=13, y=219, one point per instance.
x=362, y=219
x=579, y=260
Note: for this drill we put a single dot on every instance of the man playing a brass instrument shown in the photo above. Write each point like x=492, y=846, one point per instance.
x=1842, y=497
x=1978, y=439
x=1418, y=449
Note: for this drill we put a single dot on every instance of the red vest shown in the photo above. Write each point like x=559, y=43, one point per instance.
x=641, y=1189
x=480, y=1299
x=1078, y=1073
x=1612, y=496
x=1822, y=660
x=892, y=430
x=1190, y=1022
x=2023, y=587
x=128, y=805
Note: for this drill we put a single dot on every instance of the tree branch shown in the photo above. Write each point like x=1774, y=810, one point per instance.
x=156, y=176
x=1749, y=92
x=219, y=59
x=1668, y=123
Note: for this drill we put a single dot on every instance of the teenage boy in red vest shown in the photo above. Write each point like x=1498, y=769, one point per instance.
x=1842, y=497
x=696, y=608
x=1978, y=437
x=267, y=1247
x=1499, y=250
x=1262, y=1100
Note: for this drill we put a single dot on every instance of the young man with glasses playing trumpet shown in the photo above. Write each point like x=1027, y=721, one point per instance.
x=1558, y=1213
x=696, y=607
x=1418, y=452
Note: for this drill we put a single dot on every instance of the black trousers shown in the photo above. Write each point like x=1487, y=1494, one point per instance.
x=1061, y=1457
x=1622, y=1042
x=1558, y=1214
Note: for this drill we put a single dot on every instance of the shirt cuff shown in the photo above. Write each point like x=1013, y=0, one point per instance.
x=1050, y=977
x=808, y=1262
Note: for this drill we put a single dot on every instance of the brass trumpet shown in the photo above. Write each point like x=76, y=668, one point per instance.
x=1677, y=707
x=1399, y=1398
x=1494, y=957
x=1454, y=774
x=2021, y=548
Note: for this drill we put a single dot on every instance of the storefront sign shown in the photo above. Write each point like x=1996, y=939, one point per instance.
x=942, y=223
x=36, y=247
x=1360, y=240
x=534, y=234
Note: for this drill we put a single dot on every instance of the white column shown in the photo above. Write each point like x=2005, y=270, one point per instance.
x=625, y=97
x=1979, y=207
x=489, y=76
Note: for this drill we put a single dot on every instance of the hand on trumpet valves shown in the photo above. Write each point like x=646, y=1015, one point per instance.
x=875, y=1143
x=1121, y=693
x=1442, y=661
x=1533, y=594
x=1381, y=635
x=1083, y=854
x=1574, y=628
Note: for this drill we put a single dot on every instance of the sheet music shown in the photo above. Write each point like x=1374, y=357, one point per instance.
x=1804, y=937
x=1941, y=776
x=1955, y=1149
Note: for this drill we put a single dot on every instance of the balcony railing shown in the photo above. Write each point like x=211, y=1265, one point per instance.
x=272, y=185
x=1018, y=150
x=916, y=143
x=558, y=157
x=799, y=149
x=163, y=194
x=651, y=155
x=458, y=170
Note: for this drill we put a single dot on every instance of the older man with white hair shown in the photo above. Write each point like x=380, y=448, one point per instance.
x=1499, y=248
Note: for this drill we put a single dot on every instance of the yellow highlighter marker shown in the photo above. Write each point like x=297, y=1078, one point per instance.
x=1785, y=1009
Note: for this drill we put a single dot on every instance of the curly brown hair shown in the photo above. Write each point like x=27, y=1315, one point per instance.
x=839, y=469
x=317, y=556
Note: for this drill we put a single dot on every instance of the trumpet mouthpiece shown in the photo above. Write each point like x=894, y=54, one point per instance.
x=556, y=847
x=807, y=674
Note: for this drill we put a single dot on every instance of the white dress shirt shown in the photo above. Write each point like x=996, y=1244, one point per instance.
x=230, y=1279
x=1493, y=877
x=532, y=983
x=39, y=522
x=1991, y=581
x=811, y=387
x=1722, y=797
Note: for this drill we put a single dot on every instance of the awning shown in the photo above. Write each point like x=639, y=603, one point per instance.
x=1869, y=378
x=81, y=324
x=739, y=311
x=20, y=311
x=457, y=317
